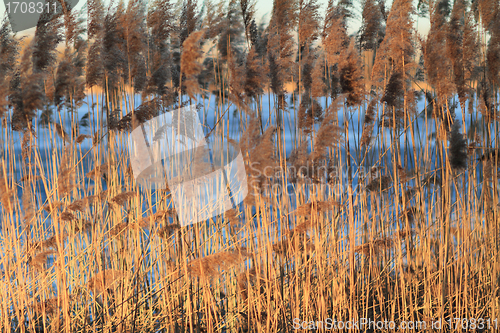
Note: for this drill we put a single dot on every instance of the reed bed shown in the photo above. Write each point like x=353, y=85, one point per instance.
x=371, y=161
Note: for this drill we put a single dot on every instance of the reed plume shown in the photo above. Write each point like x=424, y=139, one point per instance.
x=160, y=22
x=25, y=91
x=351, y=76
x=280, y=46
x=397, y=48
x=81, y=137
x=381, y=183
x=457, y=151
x=368, y=124
x=308, y=23
x=315, y=206
x=167, y=230
x=52, y=206
x=119, y=228
x=454, y=47
x=247, y=8
x=28, y=203
x=122, y=198
x=335, y=38
x=67, y=216
x=437, y=63
x=258, y=150
x=159, y=216
x=61, y=132
x=190, y=67
x=9, y=48
x=245, y=280
x=493, y=50
x=255, y=78
x=69, y=84
x=66, y=176
x=98, y=171
x=372, y=31
x=47, y=37
x=188, y=20
x=319, y=87
x=232, y=28
x=144, y=112
x=293, y=244
x=374, y=247
x=7, y=193
x=310, y=113
x=135, y=34
x=329, y=133
x=39, y=261
x=213, y=265
x=107, y=279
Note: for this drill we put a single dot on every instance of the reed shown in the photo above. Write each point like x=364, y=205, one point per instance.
x=371, y=160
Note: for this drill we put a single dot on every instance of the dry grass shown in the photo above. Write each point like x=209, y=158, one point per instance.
x=361, y=204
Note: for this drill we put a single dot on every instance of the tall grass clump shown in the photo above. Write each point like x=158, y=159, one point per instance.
x=371, y=160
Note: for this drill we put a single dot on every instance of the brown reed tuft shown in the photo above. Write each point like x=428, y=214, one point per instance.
x=39, y=261
x=28, y=204
x=457, y=151
x=26, y=92
x=381, y=183
x=405, y=233
x=437, y=63
x=368, y=124
x=245, y=280
x=454, y=48
x=310, y=112
x=213, y=265
x=81, y=137
x=122, y=198
x=7, y=194
x=394, y=90
x=329, y=133
x=231, y=216
x=66, y=176
x=9, y=46
x=83, y=203
x=303, y=227
x=98, y=171
x=190, y=67
x=397, y=48
x=259, y=151
x=280, y=45
x=82, y=225
x=49, y=243
x=351, y=76
x=49, y=306
x=293, y=244
x=107, y=279
x=255, y=77
x=431, y=179
x=159, y=216
x=67, y=216
x=335, y=37
x=317, y=207
x=118, y=228
x=167, y=230
x=404, y=175
x=47, y=37
x=77, y=205
x=144, y=112
x=374, y=247
x=318, y=84
x=371, y=29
